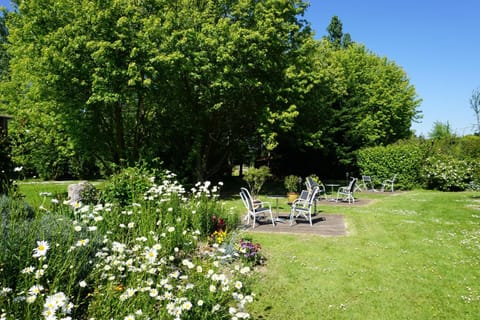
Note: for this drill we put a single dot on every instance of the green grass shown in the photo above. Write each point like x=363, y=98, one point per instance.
x=412, y=255
x=32, y=190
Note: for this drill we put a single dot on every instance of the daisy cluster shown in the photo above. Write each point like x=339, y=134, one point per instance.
x=146, y=263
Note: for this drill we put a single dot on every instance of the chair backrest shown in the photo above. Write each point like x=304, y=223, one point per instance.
x=312, y=195
x=304, y=195
x=366, y=179
x=394, y=177
x=351, y=185
x=310, y=183
x=246, y=198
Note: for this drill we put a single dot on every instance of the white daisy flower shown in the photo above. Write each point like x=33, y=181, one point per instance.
x=35, y=290
x=41, y=249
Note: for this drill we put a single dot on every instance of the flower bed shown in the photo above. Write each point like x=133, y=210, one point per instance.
x=136, y=261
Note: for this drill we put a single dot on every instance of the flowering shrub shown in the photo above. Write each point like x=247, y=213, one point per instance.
x=134, y=261
x=448, y=174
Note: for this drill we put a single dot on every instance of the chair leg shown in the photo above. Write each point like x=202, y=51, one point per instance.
x=291, y=217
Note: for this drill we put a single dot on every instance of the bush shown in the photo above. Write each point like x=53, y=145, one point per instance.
x=292, y=183
x=446, y=173
x=128, y=186
x=256, y=177
x=89, y=194
x=468, y=147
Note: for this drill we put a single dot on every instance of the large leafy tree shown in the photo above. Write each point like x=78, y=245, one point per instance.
x=197, y=84
x=377, y=107
x=357, y=99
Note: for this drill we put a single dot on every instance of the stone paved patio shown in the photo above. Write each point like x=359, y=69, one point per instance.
x=322, y=225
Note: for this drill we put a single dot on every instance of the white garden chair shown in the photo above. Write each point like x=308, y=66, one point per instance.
x=388, y=184
x=346, y=193
x=304, y=208
x=255, y=208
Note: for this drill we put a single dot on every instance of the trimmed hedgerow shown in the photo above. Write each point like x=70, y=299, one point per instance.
x=449, y=164
x=403, y=159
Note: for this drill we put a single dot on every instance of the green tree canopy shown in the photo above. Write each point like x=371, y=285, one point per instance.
x=196, y=84
x=441, y=130
x=200, y=85
x=356, y=99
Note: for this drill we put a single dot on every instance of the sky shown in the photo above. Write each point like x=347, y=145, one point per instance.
x=437, y=43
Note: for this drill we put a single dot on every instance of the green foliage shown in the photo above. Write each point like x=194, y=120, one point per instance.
x=448, y=163
x=292, y=183
x=441, y=131
x=12, y=209
x=445, y=173
x=404, y=159
x=256, y=177
x=127, y=186
x=335, y=34
x=63, y=267
x=113, y=82
x=468, y=147
x=369, y=102
x=90, y=194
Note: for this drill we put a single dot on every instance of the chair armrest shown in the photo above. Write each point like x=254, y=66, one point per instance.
x=261, y=204
x=266, y=203
x=342, y=189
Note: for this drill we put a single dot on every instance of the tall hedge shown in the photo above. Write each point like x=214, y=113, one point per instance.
x=404, y=159
x=447, y=164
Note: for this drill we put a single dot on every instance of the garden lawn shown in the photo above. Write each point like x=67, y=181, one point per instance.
x=38, y=192
x=409, y=255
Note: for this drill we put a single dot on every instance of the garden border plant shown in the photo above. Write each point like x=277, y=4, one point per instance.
x=145, y=259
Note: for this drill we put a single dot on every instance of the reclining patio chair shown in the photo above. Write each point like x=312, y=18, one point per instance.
x=346, y=193
x=255, y=209
x=310, y=184
x=389, y=183
x=304, y=208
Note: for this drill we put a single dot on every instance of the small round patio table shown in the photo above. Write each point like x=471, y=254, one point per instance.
x=332, y=185
x=277, y=197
